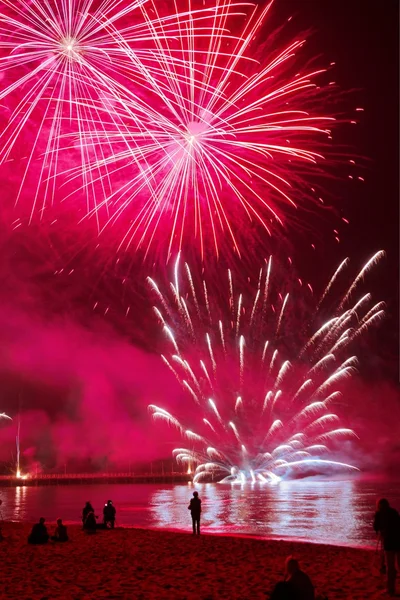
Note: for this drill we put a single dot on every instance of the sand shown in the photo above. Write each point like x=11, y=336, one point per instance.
x=144, y=564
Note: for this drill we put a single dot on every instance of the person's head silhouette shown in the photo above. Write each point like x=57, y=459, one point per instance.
x=382, y=504
x=292, y=565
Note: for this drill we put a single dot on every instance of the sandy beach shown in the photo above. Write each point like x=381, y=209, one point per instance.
x=145, y=564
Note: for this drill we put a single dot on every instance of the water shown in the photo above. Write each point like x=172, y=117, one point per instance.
x=334, y=512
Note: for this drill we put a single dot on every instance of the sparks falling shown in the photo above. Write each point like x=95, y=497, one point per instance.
x=231, y=140
x=256, y=409
x=63, y=64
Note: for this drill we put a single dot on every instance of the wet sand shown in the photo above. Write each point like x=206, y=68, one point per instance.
x=143, y=564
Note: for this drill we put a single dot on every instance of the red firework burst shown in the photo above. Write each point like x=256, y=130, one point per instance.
x=234, y=131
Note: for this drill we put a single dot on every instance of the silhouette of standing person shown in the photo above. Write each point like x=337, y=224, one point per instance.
x=109, y=513
x=195, y=510
x=387, y=524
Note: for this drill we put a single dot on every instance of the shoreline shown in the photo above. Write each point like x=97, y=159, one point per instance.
x=150, y=564
x=251, y=536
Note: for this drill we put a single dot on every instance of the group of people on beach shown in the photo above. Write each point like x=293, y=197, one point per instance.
x=296, y=584
x=40, y=535
x=89, y=519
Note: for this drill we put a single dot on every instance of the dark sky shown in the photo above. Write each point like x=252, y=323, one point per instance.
x=362, y=39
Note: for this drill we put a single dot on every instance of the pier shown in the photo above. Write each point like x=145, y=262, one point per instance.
x=92, y=478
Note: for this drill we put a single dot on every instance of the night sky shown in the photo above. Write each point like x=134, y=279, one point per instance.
x=362, y=39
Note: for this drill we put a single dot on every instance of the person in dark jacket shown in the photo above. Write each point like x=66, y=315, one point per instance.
x=88, y=508
x=297, y=584
x=90, y=524
x=109, y=513
x=282, y=591
x=60, y=533
x=39, y=533
x=387, y=525
x=195, y=511
x=298, y=580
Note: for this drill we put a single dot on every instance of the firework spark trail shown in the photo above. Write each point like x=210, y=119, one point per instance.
x=64, y=64
x=260, y=414
x=231, y=140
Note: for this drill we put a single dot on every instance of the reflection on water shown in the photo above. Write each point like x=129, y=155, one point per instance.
x=21, y=493
x=338, y=512
x=317, y=511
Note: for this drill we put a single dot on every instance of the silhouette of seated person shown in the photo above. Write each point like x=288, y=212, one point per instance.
x=296, y=585
x=90, y=524
x=60, y=533
x=109, y=513
x=86, y=510
x=39, y=533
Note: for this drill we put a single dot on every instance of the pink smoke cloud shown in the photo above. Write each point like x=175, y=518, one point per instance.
x=83, y=393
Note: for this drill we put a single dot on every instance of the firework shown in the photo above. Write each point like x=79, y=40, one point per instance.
x=235, y=132
x=63, y=63
x=257, y=409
